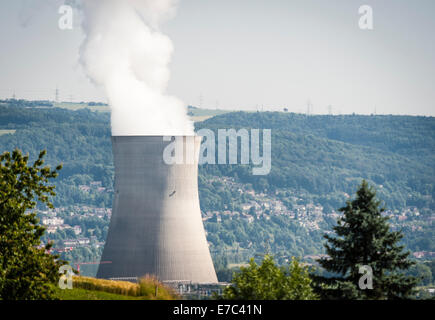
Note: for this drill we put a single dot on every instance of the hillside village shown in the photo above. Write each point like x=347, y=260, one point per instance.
x=71, y=228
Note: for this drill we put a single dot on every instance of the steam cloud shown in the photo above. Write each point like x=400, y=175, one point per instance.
x=127, y=55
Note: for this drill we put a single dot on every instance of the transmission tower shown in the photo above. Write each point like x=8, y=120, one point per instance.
x=200, y=100
x=56, y=96
x=309, y=107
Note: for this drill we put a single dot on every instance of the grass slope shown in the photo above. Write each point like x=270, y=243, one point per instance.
x=86, y=288
x=84, y=294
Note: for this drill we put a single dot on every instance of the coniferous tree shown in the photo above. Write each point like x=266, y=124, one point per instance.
x=363, y=238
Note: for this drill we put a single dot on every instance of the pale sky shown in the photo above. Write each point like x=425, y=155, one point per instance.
x=248, y=54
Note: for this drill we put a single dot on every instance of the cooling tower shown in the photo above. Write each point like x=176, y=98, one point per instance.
x=156, y=226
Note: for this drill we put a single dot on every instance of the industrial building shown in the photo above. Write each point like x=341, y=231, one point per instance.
x=156, y=226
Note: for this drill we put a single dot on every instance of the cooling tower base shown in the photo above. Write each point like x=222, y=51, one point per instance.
x=156, y=226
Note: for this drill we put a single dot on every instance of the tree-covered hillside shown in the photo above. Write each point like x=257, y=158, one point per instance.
x=326, y=156
x=406, y=135
x=317, y=162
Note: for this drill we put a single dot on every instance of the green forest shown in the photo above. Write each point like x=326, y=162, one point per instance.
x=324, y=156
x=316, y=159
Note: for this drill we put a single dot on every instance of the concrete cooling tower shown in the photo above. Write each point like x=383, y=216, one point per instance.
x=156, y=226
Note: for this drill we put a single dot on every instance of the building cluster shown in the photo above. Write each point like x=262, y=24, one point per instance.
x=70, y=244
x=89, y=211
x=261, y=205
x=405, y=214
x=54, y=220
x=93, y=186
x=256, y=205
x=424, y=254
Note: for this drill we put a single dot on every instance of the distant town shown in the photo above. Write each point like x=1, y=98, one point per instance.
x=67, y=237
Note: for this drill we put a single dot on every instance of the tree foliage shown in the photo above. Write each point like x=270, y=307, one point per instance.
x=270, y=282
x=363, y=238
x=26, y=270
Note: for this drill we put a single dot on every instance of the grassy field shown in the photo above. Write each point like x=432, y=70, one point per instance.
x=83, y=294
x=199, y=115
x=200, y=118
x=207, y=112
x=77, y=106
x=196, y=114
x=3, y=132
x=86, y=288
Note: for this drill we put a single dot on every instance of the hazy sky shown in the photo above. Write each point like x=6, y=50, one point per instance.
x=248, y=54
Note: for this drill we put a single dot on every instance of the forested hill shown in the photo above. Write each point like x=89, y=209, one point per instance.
x=316, y=160
x=321, y=156
x=324, y=156
x=412, y=136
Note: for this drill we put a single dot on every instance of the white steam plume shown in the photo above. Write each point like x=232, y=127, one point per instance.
x=127, y=55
